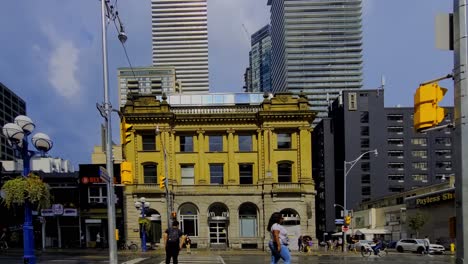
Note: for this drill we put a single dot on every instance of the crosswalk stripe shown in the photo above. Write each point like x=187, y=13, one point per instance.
x=199, y=259
x=134, y=261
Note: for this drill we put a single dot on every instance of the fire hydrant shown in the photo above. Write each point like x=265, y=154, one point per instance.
x=452, y=248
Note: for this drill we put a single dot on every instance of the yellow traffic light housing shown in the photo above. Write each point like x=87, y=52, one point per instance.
x=162, y=182
x=347, y=220
x=427, y=112
x=126, y=135
x=126, y=174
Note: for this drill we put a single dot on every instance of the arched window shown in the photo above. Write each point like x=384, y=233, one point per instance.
x=150, y=173
x=284, y=172
x=189, y=219
x=248, y=220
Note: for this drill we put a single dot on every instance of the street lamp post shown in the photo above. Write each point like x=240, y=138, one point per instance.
x=166, y=183
x=345, y=175
x=142, y=205
x=17, y=134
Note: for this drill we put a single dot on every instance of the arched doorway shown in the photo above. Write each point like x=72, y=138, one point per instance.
x=188, y=216
x=155, y=232
x=218, y=222
x=292, y=223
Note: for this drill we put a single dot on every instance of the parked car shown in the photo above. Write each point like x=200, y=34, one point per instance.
x=417, y=245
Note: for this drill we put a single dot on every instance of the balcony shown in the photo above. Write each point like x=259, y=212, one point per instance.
x=286, y=187
x=218, y=189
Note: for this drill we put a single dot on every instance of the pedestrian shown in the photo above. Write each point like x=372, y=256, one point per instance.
x=188, y=243
x=98, y=240
x=309, y=246
x=427, y=244
x=173, y=241
x=279, y=240
x=299, y=243
x=3, y=239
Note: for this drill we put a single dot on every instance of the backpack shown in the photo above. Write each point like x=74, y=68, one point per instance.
x=173, y=235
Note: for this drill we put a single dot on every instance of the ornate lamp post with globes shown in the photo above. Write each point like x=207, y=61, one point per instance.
x=142, y=205
x=17, y=134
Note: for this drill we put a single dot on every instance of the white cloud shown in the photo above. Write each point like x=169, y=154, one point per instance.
x=63, y=65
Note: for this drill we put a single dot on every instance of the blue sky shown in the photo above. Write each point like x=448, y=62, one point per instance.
x=50, y=55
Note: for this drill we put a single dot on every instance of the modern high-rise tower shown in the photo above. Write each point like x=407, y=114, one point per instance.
x=316, y=47
x=259, y=75
x=180, y=39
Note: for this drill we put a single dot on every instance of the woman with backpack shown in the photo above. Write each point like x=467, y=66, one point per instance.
x=173, y=242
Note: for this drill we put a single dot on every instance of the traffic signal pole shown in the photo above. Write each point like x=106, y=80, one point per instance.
x=461, y=127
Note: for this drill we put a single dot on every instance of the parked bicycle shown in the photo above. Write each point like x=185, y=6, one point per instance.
x=367, y=251
x=128, y=246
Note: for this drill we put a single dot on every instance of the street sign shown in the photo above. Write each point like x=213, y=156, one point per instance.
x=339, y=221
x=344, y=229
x=103, y=174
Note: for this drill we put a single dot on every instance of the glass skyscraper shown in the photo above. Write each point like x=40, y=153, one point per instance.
x=259, y=78
x=316, y=47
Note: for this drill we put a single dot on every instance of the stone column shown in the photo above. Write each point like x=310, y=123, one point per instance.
x=202, y=178
x=231, y=158
x=305, y=151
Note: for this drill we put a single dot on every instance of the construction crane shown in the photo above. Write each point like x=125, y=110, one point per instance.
x=246, y=32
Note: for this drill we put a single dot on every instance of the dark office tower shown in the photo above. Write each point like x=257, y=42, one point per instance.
x=316, y=47
x=11, y=106
x=180, y=39
x=359, y=123
x=259, y=74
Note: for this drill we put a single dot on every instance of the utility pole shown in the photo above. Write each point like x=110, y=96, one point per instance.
x=461, y=127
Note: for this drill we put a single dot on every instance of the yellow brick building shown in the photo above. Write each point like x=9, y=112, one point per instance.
x=231, y=161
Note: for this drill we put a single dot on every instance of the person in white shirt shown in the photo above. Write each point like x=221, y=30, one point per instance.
x=427, y=244
x=279, y=240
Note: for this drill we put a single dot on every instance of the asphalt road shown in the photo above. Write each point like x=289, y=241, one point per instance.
x=227, y=258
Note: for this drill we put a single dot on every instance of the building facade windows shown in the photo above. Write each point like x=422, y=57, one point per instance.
x=284, y=141
x=364, y=143
x=187, y=174
x=245, y=173
x=284, y=172
x=364, y=117
x=396, y=165
x=364, y=131
x=148, y=142
x=366, y=190
x=443, y=141
x=419, y=153
x=444, y=152
x=419, y=177
x=419, y=141
x=395, y=142
x=365, y=178
x=365, y=166
x=216, y=143
x=97, y=194
x=150, y=174
x=186, y=143
x=420, y=165
x=396, y=177
x=245, y=143
x=395, y=117
x=216, y=173
x=396, y=154
x=248, y=220
x=444, y=165
x=395, y=129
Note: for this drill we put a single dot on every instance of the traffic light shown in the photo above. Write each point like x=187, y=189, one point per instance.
x=125, y=132
x=126, y=174
x=162, y=182
x=427, y=112
x=347, y=220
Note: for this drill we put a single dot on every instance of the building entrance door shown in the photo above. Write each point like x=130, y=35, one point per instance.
x=218, y=234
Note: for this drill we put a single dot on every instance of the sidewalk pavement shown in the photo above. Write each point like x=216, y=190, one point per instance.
x=160, y=251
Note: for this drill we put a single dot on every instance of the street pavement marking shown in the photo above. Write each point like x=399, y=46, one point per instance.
x=185, y=259
x=134, y=261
